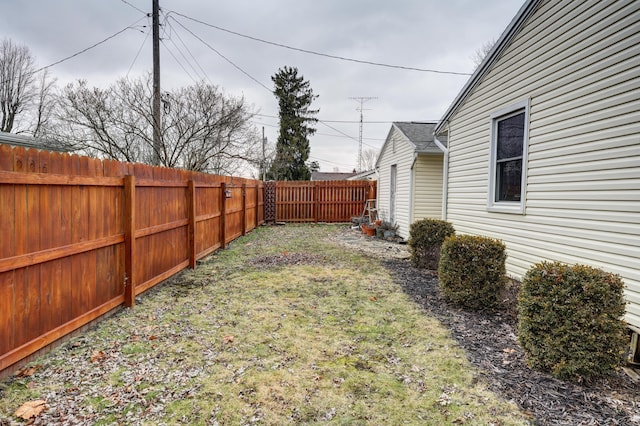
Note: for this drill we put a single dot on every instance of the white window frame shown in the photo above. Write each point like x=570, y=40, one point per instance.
x=515, y=207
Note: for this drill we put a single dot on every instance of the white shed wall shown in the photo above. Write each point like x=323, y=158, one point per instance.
x=400, y=152
x=579, y=65
x=427, y=187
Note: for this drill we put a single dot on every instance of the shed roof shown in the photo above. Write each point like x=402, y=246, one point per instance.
x=420, y=135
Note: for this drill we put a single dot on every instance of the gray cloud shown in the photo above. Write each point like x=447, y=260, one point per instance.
x=415, y=33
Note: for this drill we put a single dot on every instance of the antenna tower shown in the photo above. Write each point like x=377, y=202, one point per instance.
x=362, y=100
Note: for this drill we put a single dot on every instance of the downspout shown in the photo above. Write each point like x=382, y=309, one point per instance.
x=445, y=172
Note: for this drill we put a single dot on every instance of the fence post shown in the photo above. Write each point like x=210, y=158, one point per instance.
x=129, y=239
x=191, y=229
x=223, y=215
x=244, y=209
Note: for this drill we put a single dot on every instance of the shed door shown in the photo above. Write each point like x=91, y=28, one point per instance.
x=392, y=193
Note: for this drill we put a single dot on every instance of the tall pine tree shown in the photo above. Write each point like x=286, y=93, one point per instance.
x=296, y=117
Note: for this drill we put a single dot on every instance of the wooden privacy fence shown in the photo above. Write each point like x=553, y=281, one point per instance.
x=320, y=201
x=80, y=236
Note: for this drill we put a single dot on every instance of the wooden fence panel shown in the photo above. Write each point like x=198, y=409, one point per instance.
x=77, y=240
x=321, y=201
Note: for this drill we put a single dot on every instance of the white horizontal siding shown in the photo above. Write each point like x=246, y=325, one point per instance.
x=579, y=64
x=396, y=151
x=427, y=187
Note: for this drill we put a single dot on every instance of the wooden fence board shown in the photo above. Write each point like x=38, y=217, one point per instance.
x=81, y=236
x=321, y=201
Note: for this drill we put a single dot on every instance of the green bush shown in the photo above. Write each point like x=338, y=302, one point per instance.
x=472, y=271
x=569, y=320
x=425, y=239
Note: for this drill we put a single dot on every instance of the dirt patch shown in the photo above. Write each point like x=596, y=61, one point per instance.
x=287, y=259
x=490, y=341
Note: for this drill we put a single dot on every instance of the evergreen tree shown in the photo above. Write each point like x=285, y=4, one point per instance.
x=296, y=117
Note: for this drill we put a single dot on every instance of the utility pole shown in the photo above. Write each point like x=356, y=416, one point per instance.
x=264, y=160
x=155, y=19
x=362, y=100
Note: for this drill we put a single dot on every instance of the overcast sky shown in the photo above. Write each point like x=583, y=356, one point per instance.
x=427, y=34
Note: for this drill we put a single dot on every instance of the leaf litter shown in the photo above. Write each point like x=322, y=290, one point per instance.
x=287, y=326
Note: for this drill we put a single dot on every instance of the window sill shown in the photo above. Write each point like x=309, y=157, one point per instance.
x=511, y=208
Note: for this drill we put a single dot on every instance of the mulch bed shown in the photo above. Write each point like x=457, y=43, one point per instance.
x=491, y=344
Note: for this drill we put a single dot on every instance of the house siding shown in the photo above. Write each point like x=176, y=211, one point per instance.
x=403, y=158
x=578, y=63
x=427, y=187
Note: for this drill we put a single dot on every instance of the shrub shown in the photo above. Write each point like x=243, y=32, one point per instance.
x=425, y=239
x=570, y=320
x=472, y=271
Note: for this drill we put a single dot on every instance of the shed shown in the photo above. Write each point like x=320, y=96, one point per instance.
x=543, y=141
x=409, y=170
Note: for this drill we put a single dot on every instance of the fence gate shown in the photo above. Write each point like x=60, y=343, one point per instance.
x=270, y=201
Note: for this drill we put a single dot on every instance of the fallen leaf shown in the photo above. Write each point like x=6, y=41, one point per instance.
x=31, y=409
x=153, y=337
x=27, y=371
x=228, y=338
x=97, y=356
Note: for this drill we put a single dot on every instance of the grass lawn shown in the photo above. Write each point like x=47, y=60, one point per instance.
x=283, y=327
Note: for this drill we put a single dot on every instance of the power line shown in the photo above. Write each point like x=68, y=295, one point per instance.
x=88, y=48
x=220, y=54
x=179, y=62
x=258, y=123
x=365, y=121
x=135, y=7
x=138, y=54
x=174, y=31
x=311, y=52
x=180, y=51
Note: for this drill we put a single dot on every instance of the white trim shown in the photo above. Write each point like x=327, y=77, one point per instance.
x=445, y=173
x=508, y=206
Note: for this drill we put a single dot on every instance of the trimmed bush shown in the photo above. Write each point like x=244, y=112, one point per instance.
x=425, y=240
x=569, y=320
x=472, y=271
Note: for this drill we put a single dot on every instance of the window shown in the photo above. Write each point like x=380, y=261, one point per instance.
x=509, y=128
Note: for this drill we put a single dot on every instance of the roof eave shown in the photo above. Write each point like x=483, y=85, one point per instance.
x=507, y=35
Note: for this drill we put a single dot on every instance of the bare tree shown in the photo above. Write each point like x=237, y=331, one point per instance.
x=479, y=55
x=16, y=82
x=369, y=159
x=202, y=129
x=40, y=113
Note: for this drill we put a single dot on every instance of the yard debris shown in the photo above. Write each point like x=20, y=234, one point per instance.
x=31, y=409
x=27, y=371
x=97, y=356
x=287, y=259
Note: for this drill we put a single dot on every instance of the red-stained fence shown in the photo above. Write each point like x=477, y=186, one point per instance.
x=80, y=237
x=334, y=201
